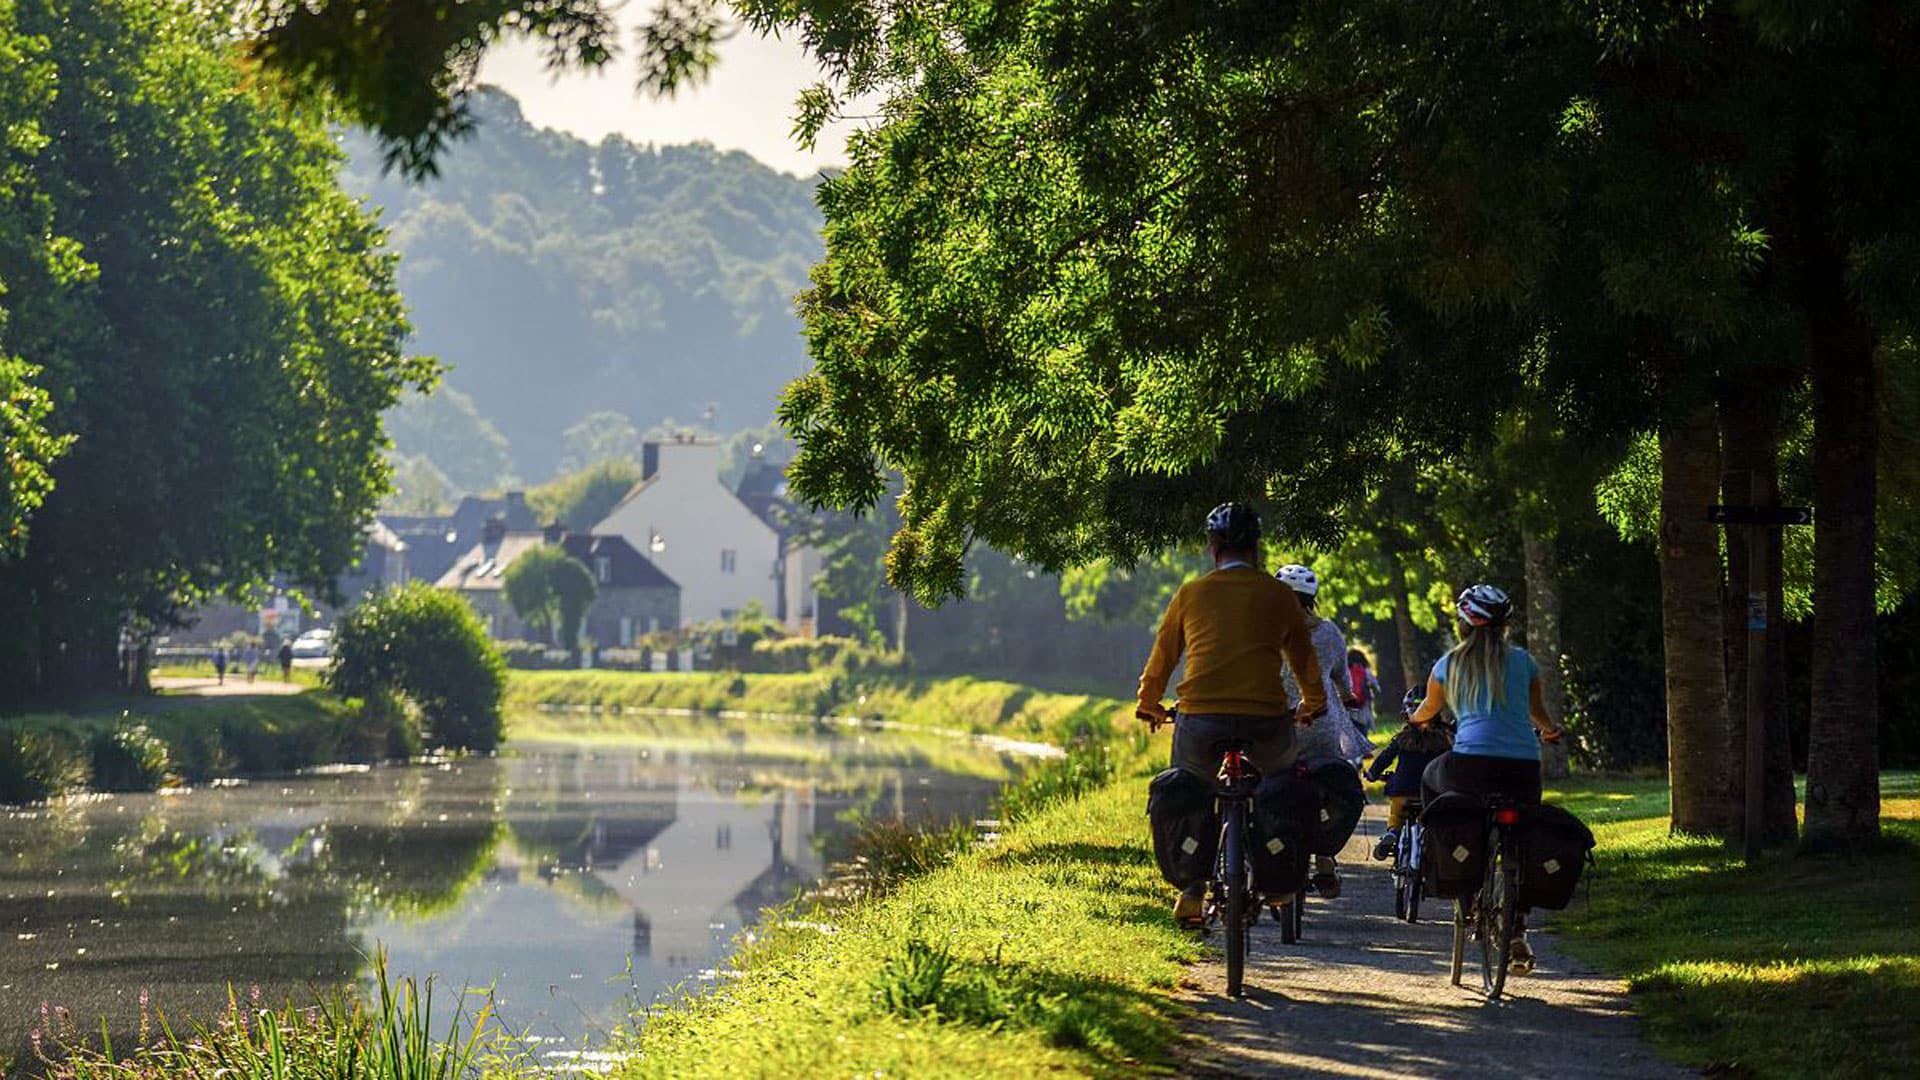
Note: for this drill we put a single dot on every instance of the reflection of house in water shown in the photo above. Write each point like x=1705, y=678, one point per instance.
x=723, y=858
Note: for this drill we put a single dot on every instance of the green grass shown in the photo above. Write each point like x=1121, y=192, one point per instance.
x=210, y=737
x=1800, y=967
x=1050, y=952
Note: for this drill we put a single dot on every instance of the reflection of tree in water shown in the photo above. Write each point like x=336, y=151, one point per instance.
x=180, y=902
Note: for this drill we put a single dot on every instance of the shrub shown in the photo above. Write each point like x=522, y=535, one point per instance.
x=128, y=758
x=35, y=766
x=428, y=646
x=794, y=655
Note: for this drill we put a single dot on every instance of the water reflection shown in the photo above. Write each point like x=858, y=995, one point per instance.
x=578, y=881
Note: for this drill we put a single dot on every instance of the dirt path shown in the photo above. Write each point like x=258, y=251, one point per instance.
x=1366, y=995
x=235, y=686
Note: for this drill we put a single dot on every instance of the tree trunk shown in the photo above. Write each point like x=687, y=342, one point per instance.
x=1750, y=434
x=1543, y=639
x=1843, y=761
x=901, y=603
x=1411, y=669
x=1690, y=623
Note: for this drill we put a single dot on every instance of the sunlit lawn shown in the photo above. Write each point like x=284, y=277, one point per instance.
x=1799, y=967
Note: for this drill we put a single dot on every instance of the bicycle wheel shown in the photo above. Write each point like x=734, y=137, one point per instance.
x=1496, y=922
x=1460, y=927
x=1399, y=893
x=1410, y=853
x=1289, y=930
x=1236, y=883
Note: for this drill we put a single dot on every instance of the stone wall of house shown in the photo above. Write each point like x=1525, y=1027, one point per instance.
x=619, y=616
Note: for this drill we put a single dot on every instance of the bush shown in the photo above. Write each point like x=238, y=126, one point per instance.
x=35, y=767
x=128, y=758
x=428, y=646
x=794, y=655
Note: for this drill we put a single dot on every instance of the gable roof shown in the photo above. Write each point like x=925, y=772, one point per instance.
x=484, y=567
x=628, y=568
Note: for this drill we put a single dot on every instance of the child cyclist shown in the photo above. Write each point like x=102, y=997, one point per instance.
x=1410, y=751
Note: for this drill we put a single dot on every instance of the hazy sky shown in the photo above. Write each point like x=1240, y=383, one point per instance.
x=747, y=105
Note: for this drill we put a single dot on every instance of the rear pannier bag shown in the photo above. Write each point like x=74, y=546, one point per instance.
x=1342, y=801
x=1553, y=852
x=1185, y=831
x=1284, y=807
x=1454, y=855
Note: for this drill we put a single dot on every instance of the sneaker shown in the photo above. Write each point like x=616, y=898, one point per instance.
x=1389, y=841
x=1327, y=884
x=1521, y=962
x=1190, y=911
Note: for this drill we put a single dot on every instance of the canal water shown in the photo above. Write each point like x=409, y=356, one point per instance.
x=579, y=881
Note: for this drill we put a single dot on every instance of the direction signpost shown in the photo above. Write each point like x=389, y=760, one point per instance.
x=1756, y=519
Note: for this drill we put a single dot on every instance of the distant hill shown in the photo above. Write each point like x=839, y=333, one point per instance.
x=561, y=279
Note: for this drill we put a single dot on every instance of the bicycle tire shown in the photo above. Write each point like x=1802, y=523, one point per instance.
x=1399, y=895
x=1459, y=937
x=1413, y=899
x=1236, y=887
x=1496, y=921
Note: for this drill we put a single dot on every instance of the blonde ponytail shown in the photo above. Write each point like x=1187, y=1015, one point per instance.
x=1477, y=668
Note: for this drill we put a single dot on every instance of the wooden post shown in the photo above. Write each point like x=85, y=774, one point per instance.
x=1757, y=615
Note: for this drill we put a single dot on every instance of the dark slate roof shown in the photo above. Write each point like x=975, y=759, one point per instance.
x=763, y=488
x=630, y=569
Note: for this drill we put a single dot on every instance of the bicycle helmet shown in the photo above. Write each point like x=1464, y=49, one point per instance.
x=1299, y=579
x=1485, y=605
x=1234, y=525
x=1413, y=699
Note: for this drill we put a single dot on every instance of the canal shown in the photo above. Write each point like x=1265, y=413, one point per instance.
x=579, y=881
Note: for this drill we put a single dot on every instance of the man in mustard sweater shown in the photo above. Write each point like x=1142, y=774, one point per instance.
x=1236, y=626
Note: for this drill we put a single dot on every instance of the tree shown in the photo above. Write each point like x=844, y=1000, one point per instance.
x=428, y=646
x=218, y=336
x=581, y=500
x=445, y=429
x=600, y=436
x=552, y=591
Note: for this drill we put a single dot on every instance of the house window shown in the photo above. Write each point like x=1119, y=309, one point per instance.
x=727, y=614
x=729, y=560
x=626, y=630
x=603, y=569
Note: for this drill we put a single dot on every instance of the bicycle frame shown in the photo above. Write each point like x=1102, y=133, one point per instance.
x=1233, y=898
x=1490, y=914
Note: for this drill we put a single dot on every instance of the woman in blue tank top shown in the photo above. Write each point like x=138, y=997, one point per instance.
x=1494, y=689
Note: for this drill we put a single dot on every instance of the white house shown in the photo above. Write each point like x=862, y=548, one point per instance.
x=683, y=519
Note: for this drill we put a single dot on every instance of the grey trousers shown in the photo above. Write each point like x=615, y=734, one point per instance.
x=1269, y=739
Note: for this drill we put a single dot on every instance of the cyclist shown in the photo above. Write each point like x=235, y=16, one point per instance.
x=1495, y=693
x=1335, y=739
x=1235, y=626
x=1408, y=754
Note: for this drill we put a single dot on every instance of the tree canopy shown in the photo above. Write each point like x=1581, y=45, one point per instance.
x=214, y=324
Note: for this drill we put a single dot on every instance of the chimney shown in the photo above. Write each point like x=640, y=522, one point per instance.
x=494, y=531
x=649, y=460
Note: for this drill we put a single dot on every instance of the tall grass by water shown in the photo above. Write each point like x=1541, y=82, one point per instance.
x=411, y=1031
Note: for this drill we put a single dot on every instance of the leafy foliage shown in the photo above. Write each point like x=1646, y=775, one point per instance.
x=429, y=647
x=445, y=429
x=215, y=324
x=580, y=500
x=551, y=590
x=127, y=758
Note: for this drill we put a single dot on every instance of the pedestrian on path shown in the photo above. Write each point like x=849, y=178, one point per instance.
x=253, y=660
x=220, y=664
x=1333, y=737
x=1365, y=687
x=286, y=662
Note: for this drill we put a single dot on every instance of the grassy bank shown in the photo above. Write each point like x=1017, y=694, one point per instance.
x=1801, y=967
x=186, y=738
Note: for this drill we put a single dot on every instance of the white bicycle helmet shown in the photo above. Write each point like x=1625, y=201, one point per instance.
x=1299, y=579
x=1485, y=605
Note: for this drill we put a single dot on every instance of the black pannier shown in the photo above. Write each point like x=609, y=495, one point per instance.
x=1341, y=802
x=1455, y=847
x=1185, y=831
x=1553, y=852
x=1284, y=807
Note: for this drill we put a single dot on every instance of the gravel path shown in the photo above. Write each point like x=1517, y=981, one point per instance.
x=1366, y=995
x=235, y=686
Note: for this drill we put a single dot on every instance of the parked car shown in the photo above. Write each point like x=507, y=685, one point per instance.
x=314, y=644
